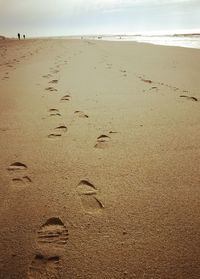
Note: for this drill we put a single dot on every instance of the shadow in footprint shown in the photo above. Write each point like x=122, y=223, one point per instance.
x=54, y=81
x=52, y=89
x=87, y=193
x=146, y=80
x=81, y=114
x=61, y=128
x=65, y=98
x=17, y=166
x=54, y=112
x=189, y=98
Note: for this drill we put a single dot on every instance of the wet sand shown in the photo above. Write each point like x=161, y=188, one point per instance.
x=100, y=165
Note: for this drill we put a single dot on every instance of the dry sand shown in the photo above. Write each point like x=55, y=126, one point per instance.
x=100, y=161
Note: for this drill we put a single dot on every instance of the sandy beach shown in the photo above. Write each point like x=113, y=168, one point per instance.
x=100, y=160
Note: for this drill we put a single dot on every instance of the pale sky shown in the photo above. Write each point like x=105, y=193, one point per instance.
x=74, y=17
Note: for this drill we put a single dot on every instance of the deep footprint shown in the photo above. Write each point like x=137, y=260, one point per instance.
x=52, y=236
x=17, y=166
x=44, y=268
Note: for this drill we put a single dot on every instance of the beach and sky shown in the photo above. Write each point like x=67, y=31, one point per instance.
x=100, y=139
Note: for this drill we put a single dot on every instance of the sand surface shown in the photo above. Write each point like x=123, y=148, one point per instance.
x=100, y=160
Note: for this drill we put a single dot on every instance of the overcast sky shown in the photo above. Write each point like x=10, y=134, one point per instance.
x=70, y=17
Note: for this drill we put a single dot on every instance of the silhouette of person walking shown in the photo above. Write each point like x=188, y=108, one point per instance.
x=18, y=36
x=24, y=37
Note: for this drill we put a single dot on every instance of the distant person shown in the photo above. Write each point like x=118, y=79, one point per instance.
x=24, y=37
x=18, y=36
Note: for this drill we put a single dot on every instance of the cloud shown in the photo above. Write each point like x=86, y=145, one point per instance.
x=82, y=15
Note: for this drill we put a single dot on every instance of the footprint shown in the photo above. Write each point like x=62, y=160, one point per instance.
x=86, y=188
x=147, y=80
x=154, y=88
x=61, y=128
x=87, y=193
x=54, y=81
x=52, y=237
x=17, y=166
x=44, y=268
x=81, y=114
x=20, y=182
x=65, y=98
x=52, y=89
x=51, y=240
x=54, y=135
x=47, y=76
x=102, y=142
x=54, y=112
x=189, y=98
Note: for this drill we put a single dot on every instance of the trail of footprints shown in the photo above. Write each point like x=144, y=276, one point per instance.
x=18, y=174
x=51, y=241
x=148, y=81
x=61, y=128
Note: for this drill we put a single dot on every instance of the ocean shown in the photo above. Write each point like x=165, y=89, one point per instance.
x=187, y=40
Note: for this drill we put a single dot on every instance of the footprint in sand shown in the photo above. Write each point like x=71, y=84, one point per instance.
x=189, y=98
x=54, y=135
x=54, y=81
x=65, y=98
x=54, y=112
x=81, y=114
x=52, y=89
x=17, y=166
x=102, y=142
x=51, y=240
x=60, y=130
x=87, y=193
x=146, y=80
x=47, y=76
x=19, y=179
x=44, y=268
x=52, y=237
